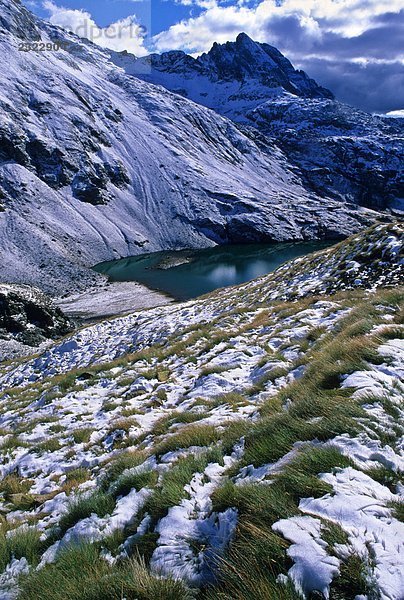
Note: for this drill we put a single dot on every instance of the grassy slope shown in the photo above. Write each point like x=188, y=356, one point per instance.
x=200, y=389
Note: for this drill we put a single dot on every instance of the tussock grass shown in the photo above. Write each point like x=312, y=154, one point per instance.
x=258, y=554
x=385, y=476
x=75, y=477
x=299, y=478
x=126, y=482
x=80, y=574
x=251, y=567
x=192, y=435
x=19, y=543
x=171, y=490
x=50, y=445
x=274, y=436
x=126, y=460
x=14, y=484
x=82, y=436
x=397, y=509
x=83, y=506
x=187, y=417
x=353, y=580
x=216, y=369
x=333, y=534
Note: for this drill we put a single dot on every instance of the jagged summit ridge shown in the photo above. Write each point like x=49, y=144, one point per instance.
x=245, y=59
x=248, y=63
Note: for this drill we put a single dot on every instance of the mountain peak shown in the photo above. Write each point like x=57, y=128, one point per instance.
x=246, y=59
x=243, y=38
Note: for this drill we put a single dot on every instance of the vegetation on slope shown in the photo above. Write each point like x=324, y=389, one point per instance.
x=213, y=434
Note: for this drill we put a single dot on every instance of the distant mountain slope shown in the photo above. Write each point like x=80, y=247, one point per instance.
x=261, y=424
x=339, y=151
x=95, y=164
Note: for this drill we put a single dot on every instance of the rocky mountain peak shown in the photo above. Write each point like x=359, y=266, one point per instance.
x=243, y=62
x=246, y=59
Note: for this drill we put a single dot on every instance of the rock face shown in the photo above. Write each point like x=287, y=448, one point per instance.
x=96, y=165
x=338, y=151
x=28, y=317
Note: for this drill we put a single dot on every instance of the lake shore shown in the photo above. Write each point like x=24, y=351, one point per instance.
x=111, y=299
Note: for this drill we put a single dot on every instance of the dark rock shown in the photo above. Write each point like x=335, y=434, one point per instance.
x=29, y=316
x=117, y=174
x=51, y=164
x=89, y=184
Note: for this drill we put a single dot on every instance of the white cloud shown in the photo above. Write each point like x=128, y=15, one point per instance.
x=125, y=34
x=311, y=18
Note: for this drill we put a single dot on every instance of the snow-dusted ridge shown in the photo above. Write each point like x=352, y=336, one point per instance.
x=96, y=165
x=253, y=420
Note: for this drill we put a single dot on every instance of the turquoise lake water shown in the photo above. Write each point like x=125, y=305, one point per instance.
x=186, y=274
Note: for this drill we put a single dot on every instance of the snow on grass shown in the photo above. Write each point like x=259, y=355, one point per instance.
x=313, y=568
x=359, y=506
x=9, y=578
x=162, y=389
x=191, y=535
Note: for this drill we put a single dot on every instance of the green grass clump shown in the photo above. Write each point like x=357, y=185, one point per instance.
x=50, y=445
x=82, y=507
x=186, y=417
x=385, y=476
x=299, y=478
x=77, y=476
x=171, y=490
x=19, y=543
x=14, y=484
x=397, y=509
x=193, y=435
x=353, y=580
x=82, y=436
x=251, y=567
x=80, y=574
x=215, y=369
x=129, y=481
x=332, y=534
x=116, y=467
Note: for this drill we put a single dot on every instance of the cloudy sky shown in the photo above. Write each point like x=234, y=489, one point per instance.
x=353, y=47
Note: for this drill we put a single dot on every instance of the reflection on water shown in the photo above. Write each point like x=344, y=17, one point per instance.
x=187, y=274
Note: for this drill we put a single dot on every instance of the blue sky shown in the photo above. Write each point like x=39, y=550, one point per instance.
x=353, y=47
x=159, y=15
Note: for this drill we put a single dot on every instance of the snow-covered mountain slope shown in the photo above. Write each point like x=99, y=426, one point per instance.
x=248, y=425
x=95, y=164
x=339, y=151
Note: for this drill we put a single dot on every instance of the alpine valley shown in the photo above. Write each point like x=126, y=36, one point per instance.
x=243, y=445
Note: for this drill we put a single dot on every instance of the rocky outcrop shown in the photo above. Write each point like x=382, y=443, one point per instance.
x=19, y=22
x=28, y=318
